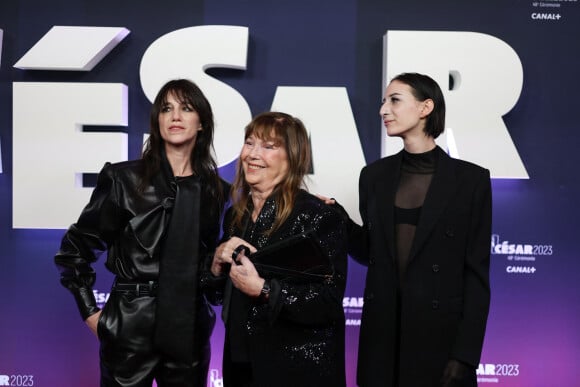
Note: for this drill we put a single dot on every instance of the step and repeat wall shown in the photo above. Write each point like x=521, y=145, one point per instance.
x=76, y=82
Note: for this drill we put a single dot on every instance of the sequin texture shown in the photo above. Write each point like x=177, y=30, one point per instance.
x=298, y=336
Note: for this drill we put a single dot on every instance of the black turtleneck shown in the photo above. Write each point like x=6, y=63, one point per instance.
x=417, y=171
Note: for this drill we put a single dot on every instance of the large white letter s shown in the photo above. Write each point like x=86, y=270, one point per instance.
x=186, y=53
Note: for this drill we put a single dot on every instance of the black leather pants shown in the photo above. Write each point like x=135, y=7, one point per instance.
x=127, y=352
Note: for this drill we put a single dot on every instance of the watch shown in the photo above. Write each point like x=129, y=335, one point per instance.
x=265, y=292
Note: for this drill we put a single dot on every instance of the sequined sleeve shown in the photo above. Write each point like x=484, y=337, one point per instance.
x=316, y=303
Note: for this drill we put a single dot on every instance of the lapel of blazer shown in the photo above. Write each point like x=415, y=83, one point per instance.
x=438, y=196
x=384, y=197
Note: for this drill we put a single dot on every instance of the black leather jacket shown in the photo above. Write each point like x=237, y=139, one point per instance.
x=130, y=225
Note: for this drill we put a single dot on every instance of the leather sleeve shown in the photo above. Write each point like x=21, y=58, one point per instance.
x=213, y=286
x=86, y=240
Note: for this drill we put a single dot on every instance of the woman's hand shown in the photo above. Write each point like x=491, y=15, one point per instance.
x=223, y=254
x=458, y=374
x=245, y=277
x=326, y=199
x=334, y=204
x=92, y=322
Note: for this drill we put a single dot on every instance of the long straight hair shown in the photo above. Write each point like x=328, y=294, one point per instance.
x=201, y=157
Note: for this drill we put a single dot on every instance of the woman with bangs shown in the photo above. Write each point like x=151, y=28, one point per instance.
x=279, y=331
x=158, y=219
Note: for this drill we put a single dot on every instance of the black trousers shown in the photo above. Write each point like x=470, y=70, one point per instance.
x=128, y=357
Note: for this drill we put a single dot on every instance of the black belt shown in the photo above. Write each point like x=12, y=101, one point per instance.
x=138, y=288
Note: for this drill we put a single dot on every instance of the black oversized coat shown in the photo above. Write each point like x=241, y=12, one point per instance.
x=445, y=294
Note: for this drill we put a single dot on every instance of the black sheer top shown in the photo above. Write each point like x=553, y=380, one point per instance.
x=417, y=171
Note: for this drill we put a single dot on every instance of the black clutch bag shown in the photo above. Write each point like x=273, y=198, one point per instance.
x=298, y=258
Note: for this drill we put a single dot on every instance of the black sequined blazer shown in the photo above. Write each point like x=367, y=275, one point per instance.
x=297, y=338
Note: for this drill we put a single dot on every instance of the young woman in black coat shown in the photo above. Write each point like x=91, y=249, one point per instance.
x=426, y=241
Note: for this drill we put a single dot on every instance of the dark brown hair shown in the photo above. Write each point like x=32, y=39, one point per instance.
x=424, y=87
x=201, y=158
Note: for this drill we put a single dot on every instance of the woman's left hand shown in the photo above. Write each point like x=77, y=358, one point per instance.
x=245, y=277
